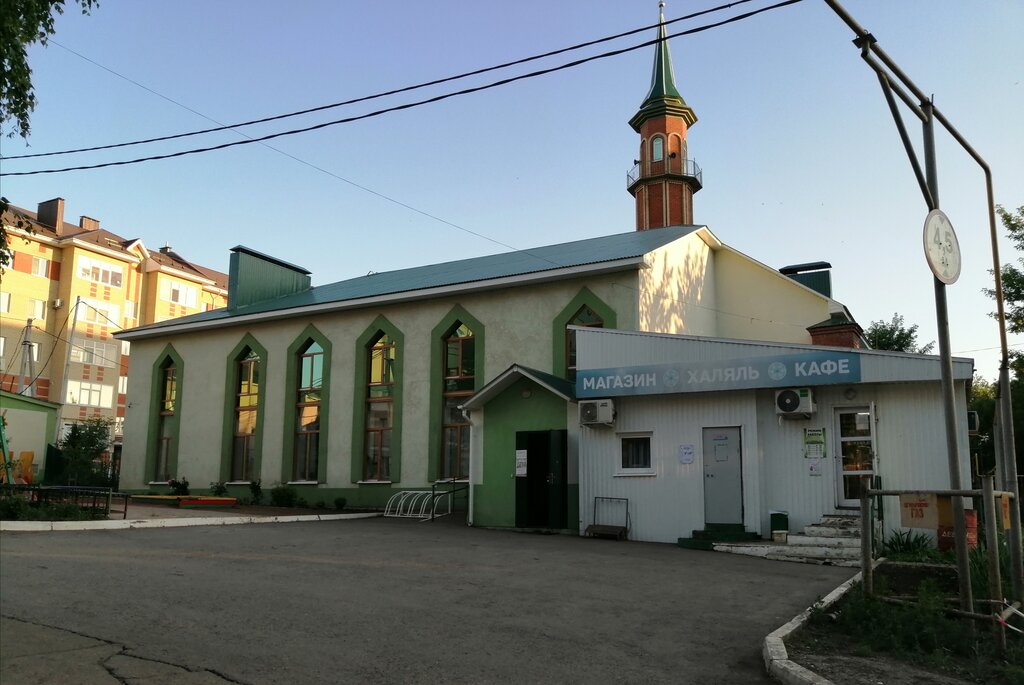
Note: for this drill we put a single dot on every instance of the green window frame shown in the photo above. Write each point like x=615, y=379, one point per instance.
x=244, y=404
x=307, y=408
x=166, y=388
x=377, y=404
x=586, y=306
x=439, y=393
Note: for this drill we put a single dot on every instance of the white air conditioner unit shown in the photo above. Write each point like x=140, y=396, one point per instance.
x=57, y=304
x=794, y=403
x=597, y=413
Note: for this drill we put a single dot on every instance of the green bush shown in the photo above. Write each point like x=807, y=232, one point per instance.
x=256, y=492
x=283, y=496
x=179, y=487
x=18, y=509
x=339, y=503
x=218, y=489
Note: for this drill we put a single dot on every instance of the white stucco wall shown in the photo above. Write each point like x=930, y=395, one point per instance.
x=758, y=303
x=677, y=289
x=518, y=323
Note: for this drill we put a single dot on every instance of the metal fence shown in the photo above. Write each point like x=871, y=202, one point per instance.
x=100, y=501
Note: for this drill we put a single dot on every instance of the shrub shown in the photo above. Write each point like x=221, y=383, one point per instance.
x=256, y=492
x=320, y=505
x=179, y=487
x=908, y=545
x=283, y=496
x=218, y=489
x=339, y=503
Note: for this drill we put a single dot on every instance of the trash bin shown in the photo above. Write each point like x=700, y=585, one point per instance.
x=779, y=524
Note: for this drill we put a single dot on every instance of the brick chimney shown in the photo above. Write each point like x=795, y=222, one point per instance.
x=838, y=331
x=88, y=223
x=51, y=213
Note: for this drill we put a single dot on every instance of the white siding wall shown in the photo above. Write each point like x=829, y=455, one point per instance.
x=670, y=504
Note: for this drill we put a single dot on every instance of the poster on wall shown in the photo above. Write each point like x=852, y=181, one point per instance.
x=520, y=463
x=686, y=454
x=814, y=467
x=814, y=443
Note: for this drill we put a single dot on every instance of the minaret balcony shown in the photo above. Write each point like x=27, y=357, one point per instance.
x=672, y=167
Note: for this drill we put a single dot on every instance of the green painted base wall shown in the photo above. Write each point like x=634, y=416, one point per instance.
x=494, y=500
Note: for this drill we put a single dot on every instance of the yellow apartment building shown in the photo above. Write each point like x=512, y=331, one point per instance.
x=68, y=289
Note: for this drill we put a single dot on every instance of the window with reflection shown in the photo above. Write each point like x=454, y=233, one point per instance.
x=166, y=426
x=585, y=316
x=309, y=395
x=657, y=149
x=247, y=398
x=459, y=368
x=380, y=393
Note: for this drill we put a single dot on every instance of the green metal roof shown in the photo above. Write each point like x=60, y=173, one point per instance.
x=561, y=387
x=663, y=97
x=464, y=271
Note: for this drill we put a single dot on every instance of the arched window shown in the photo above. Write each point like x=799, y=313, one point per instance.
x=247, y=400
x=308, y=398
x=459, y=368
x=657, y=149
x=585, y=316
x=380, y=395
x=167, y=425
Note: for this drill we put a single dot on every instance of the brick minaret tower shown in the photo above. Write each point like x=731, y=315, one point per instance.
x=663, y=180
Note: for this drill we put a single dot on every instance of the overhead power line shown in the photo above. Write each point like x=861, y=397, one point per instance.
x=365, y=98
x=410, y=105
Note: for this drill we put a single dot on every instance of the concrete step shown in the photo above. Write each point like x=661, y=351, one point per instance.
x=808, y=560
x=764, y=549
x=825, y=531
x=824, y=540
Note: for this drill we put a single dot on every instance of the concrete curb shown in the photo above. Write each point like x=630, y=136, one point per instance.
x=776, y=659
x=46, y=526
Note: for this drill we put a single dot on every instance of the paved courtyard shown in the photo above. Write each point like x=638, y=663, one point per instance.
x=380, y=600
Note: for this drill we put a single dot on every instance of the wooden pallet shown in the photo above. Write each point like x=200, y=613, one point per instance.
x=596, y=530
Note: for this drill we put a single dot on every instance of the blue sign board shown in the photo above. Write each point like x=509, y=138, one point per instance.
x=791, y=370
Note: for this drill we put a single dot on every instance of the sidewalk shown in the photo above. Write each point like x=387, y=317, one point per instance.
x=162, y=516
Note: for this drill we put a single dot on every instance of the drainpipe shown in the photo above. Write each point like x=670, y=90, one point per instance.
x=472, y=429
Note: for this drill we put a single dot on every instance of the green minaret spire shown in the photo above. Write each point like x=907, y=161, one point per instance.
x=663, y=98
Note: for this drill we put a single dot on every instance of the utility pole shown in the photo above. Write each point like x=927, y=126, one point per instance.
x=67, y=369
x=28, y=363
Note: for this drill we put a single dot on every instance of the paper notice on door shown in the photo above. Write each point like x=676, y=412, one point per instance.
x=520, y=463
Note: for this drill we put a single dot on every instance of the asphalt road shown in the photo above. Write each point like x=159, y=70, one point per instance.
x=375, y=600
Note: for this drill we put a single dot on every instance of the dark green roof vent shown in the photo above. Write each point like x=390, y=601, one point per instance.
x=257, y=277
x=815, y=275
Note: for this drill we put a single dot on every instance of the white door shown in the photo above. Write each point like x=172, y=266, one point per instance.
x=723, y=476
x=855, y=452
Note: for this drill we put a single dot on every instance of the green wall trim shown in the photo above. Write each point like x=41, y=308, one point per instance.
x=584, y=297
x=309, y=333
x=456, y=315
x=495, y=498
x=230, y=383
x=379, y=325
x=155, y=397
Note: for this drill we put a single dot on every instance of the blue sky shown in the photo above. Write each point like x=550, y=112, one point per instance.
x=801, y=159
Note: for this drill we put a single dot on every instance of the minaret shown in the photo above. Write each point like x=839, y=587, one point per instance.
x=663, y=179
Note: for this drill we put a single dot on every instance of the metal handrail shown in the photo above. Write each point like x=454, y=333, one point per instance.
x=669, y=165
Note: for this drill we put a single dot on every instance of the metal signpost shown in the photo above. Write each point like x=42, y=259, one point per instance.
x=942, y=254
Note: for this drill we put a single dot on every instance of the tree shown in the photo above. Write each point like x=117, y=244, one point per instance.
x=84, y=449
x=896, y=336
x=22, y=23
x=1013, y=275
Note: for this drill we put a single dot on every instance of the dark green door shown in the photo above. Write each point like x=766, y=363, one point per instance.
x=541, y=494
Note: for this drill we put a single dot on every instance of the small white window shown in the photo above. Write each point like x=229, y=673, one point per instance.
x=40, y=267
x=37, y=309
x=34, y=350
x=635, y=455
x=657, y=149
x=3, y=346
x=122, y=385
x=126, y=347
x=5, y=302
